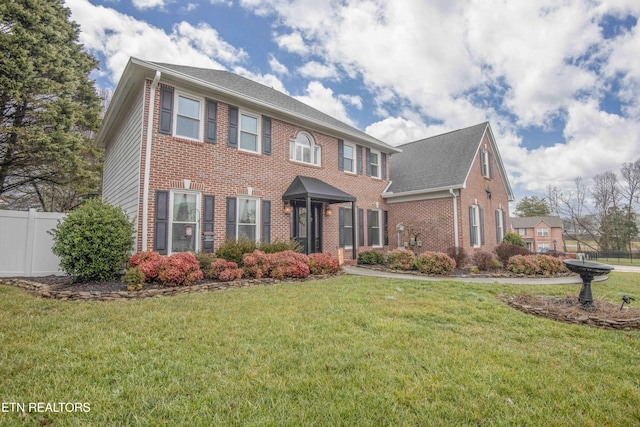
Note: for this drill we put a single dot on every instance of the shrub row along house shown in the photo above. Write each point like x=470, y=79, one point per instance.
x=198, y=156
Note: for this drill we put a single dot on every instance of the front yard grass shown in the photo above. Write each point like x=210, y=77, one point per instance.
x=344, y=351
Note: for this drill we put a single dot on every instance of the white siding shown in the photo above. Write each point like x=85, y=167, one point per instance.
x=121, y=177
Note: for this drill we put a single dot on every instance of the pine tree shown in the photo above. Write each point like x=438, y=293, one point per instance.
x=49, y=108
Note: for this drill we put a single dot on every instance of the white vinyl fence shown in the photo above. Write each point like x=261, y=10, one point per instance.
x=25, y=244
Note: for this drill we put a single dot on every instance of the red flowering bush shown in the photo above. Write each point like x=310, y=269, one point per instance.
x=224, y=271
x=256, y=264
x=323, y=263
x=535, y=264
x=401, y=259
x=288, y=264
x=148, y=262
x=434, y=263
x=180, y=269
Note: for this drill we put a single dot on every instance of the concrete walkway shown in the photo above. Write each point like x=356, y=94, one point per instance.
x=359, y=271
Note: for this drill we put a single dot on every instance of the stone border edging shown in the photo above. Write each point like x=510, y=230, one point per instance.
x=465, y=276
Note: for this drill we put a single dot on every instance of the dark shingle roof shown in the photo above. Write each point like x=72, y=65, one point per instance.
x=258, y=92
x=436, y=162
x=532, y=221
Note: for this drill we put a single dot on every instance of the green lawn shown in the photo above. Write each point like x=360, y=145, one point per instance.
x=344, y=351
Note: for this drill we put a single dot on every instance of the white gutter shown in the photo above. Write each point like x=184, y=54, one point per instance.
x=455, y=217
x=387, y=195
x=147, y=160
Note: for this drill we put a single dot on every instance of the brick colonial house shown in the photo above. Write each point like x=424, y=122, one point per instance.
x=449, y=190
x=540, y=232
x=198, y=156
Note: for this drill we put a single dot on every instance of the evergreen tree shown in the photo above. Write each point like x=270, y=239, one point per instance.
x=49, y=108
x=532, y=206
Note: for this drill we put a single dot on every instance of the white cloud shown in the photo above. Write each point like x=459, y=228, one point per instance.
x=276, y=66
x=316, y=70
x=148, y=4
x=265, y=79
x=292, y=43
x=324, y=99
x=397, y=130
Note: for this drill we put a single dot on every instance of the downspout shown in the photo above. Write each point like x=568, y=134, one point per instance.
x=455, y=217
x=147, y=160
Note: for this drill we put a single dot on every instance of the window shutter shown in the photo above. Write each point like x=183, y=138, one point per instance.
x=233, y=127
x=211, y=123
x=498, y=218
x=490, y=165
x=481, y=226
x=341, y=154
x=472, y=233
x=369, y=229
x=161, y=226
x=341, y=212
x=266, y=135
x=361, y=226
x=359, y=155
x=266, y=221
x=384, y=165
x=231, y=217
x=207, y=222
x=385, y=231
x=166, y=110
x=368, y=161
x=504, y=223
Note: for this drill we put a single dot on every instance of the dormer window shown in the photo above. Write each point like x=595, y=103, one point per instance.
x=303, y=149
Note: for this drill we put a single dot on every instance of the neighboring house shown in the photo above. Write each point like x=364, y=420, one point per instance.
x=449, y=190
x=540, y=233
x=198, y=156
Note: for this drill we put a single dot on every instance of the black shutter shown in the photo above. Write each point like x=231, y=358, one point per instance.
x=211, y=124
x=341, y=154
x=385, y=231
x=369, y=229
x=266, y=135
x=504, y=223
x=490, y=165
x=207, y=222
x=472, y=234
x=359, y=155
x=368, y=161
x=161, y=226
x=481, y=226
x=384, y=165
x=361, y=226
x=266, y=221
x=231, y=217
x=233, y=127
x=341, y=212
x=166, y=110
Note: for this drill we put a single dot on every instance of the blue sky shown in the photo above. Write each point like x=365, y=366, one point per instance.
x=558, y=80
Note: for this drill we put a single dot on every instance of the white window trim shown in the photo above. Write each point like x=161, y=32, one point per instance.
x=196, y=232
x=522, y=231
x=500, y=225
x=476, y=224
x=378, y=212
x=258, y=218
x=484, y=159
x=256, y=116
x=354, y=166
x=314, y=147
x=201, y=118
x=542, y=232
x=350, y=228
x=377, y=153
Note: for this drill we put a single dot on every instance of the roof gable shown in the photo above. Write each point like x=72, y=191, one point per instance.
x=534, y=221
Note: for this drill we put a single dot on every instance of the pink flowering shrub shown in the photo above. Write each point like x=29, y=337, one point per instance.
x=148, y=262
x=224, y=271
x=323, y=263
x=288, y=264
x=434, y=263
x=401, y=259
x=256, y=264
x=535, y=264
x=180, y=269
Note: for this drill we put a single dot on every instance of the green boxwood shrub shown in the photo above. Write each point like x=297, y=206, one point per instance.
x=514, y=239
x=94, y=241
x=370, y=258
x=280, y=246
x=434, y=263
x=233, y=250
x=401, y=259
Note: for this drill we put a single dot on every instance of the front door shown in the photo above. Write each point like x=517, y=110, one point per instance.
x=299, y=218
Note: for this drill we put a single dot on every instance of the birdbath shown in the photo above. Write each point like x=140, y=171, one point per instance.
x=587, y=271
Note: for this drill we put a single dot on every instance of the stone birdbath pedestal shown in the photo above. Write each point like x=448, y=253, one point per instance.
x=587, y=271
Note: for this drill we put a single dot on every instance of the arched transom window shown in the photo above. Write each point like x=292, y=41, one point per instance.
x=303, y=149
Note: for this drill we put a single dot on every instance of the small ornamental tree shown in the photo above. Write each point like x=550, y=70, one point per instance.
x=514, y=239
x=93, y=241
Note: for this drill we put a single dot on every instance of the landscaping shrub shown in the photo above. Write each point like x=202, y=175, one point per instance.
x=148, y=262
x=288, y=264
x=223, y=270
x=483, y=260
x=324, y=263
x=370, y=258
x=458, y=254
x=535, y=265
x=256, y=264
x=280, y=246
x=514, y=239
x=179, y=269
x=93, y=241
x=133, y=278
x=434, y=263
x=504, y=251
x=401, y=259
x=233, y=250
x=205, y=260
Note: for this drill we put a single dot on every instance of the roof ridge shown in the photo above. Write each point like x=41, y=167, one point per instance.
x=442, y=134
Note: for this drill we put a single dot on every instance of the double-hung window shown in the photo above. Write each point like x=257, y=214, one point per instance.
x=375, y=231
x=248, y=215
x=499, y=225
x=249, y=125
x=188, y=117
x=476, y=226
x=349, y=158
x=303, y=149
x=348, y=228
x=184, y=221
x=543, y=232
x=374, y=162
